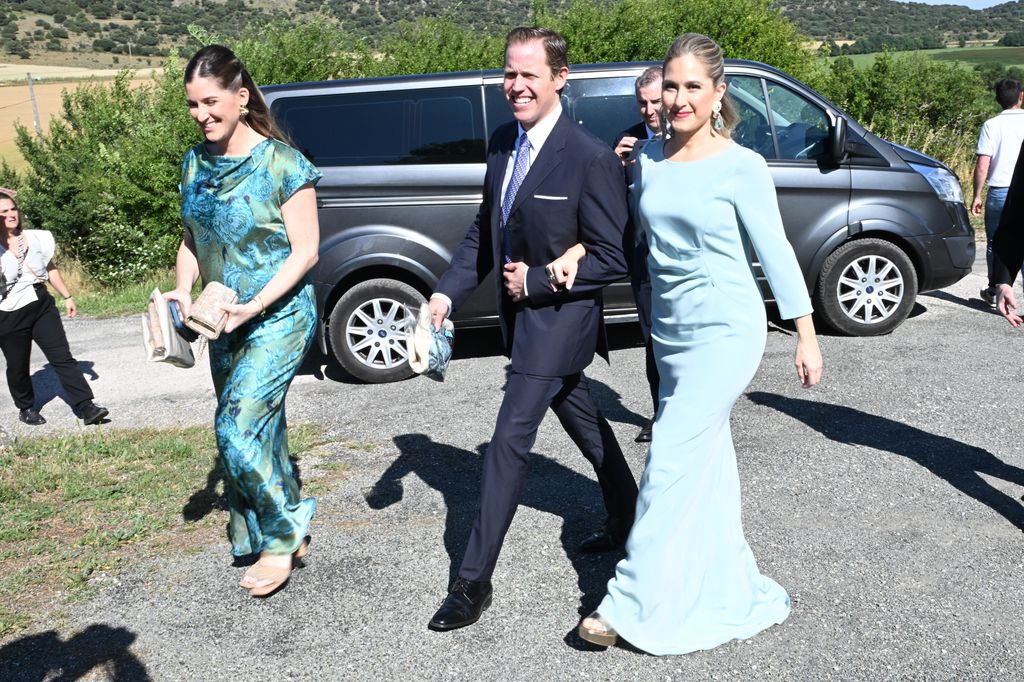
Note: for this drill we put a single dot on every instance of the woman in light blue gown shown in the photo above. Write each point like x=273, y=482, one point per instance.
x=689, y=580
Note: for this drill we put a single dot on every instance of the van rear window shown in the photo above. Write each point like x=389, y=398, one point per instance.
x=434, y=125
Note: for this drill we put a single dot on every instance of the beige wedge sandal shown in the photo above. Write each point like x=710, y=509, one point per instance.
x=606, y=636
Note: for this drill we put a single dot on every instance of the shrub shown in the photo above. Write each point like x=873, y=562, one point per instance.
x=104, y=178
x=933, y=106
x=644, y=29
x=432, y=45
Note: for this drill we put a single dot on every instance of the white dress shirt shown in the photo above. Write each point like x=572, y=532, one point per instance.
x=537, y=136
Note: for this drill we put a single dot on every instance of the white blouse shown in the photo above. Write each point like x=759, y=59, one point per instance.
x=41, y=246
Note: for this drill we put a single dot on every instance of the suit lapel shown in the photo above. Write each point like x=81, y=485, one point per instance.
x=499, y=164
x=550, y=156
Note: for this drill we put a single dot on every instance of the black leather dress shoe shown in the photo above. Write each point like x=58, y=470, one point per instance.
x=465, y=602
x=611, y=536
x=92, y=413
x=31, y=417
x=645, y=433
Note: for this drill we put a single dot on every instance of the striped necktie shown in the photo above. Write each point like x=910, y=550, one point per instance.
x=518, y=173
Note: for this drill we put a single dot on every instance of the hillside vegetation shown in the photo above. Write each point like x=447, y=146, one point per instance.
x=861, y=19
x=149, y=28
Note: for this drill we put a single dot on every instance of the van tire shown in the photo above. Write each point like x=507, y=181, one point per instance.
x=859, y=310
x=378, y=309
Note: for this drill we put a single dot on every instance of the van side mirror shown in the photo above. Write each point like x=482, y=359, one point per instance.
x=837, y=140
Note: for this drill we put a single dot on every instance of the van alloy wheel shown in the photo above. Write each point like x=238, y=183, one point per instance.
x=866, y=287
x=369, y=326
x=376, y=333
x=870, y=289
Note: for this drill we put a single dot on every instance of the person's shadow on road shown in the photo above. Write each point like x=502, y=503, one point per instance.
x=609, y=401
x=209, y=499
x=551, y=488
x=957, y=463
x=46, y=384
x=46, y=657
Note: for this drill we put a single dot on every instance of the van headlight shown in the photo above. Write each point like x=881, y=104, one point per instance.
x=942, y=181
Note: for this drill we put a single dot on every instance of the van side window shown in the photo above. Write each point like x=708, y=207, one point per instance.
x=801, y=127
x=605, y=106
x=433, y=125
x=753, y=130
x=600, y=105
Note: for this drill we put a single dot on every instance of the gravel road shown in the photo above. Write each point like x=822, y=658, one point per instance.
x=887, y=501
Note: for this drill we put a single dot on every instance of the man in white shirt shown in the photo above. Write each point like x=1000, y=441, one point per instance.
x=998, y=146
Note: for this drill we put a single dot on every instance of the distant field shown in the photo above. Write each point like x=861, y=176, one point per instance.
x=16, y=105
x=970, y=56
x=1010, y=56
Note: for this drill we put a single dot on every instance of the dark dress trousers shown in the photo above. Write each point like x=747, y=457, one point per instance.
x=39, y=321
x=1008, y=242
x=573, y=193
x=640, y=276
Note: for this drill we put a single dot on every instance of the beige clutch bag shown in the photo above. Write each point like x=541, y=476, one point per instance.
x=207, y=317
x=161, y=338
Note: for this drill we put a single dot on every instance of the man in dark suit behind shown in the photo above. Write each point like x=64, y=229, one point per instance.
x=550, y=186
x=648, y=100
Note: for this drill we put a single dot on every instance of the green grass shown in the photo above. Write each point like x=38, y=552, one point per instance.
x=1009, y=56
x=115, y=302
x=96, y=300
x=76, y=505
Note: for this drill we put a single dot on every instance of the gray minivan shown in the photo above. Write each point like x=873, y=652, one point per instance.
x=872, y=223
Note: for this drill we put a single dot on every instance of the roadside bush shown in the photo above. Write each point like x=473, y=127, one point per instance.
x=644, y=29
x=104, y=178
x=315, y=48
x=432, y=45
x=933, y=106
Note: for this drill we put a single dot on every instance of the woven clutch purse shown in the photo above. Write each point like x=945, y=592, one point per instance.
x=207, y=316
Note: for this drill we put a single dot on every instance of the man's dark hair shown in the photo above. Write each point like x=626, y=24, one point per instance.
x=1007, y=92
x=554, y=44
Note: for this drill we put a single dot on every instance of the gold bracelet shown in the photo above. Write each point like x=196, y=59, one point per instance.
x=263, y=308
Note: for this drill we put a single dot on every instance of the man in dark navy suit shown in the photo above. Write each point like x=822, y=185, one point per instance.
x=551, y=186
x=648, y=100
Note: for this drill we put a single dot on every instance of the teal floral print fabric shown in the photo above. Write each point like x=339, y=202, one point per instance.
x=231, y=205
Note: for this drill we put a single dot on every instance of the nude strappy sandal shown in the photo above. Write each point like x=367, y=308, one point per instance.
x=297, y=562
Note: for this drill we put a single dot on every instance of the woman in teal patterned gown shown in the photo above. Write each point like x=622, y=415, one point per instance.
x=689, y=580
x=249, y=210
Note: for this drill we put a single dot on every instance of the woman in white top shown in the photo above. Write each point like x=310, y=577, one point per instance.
x=28, y=313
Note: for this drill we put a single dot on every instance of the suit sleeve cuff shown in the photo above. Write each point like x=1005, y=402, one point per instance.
x=541, y=291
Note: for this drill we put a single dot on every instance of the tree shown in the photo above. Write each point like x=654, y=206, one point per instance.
x=936, y=107
x=644, y=29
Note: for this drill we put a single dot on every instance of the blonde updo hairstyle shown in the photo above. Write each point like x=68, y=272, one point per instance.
x=708, y=53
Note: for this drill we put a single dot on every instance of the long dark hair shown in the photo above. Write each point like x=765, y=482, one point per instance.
x=3, y=245
x=220, y=64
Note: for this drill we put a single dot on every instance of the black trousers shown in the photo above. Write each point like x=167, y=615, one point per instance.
x=640, y=280
x=39, y=321
x=506, y=462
